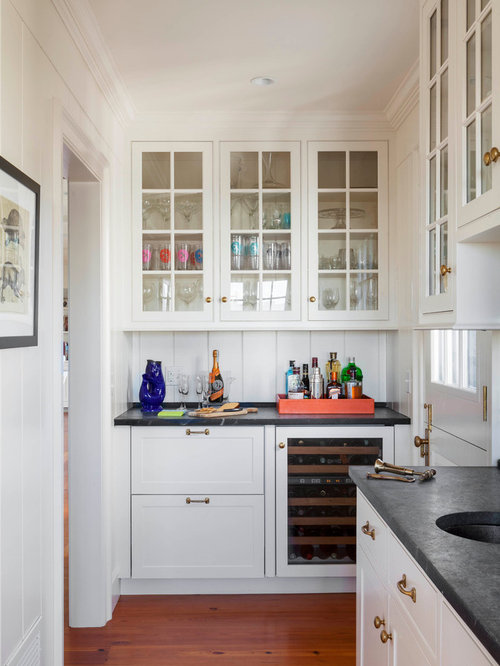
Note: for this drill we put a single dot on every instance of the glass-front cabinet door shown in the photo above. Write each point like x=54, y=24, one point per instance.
x=348, y=221
x=172, y=222
x=437, y=77
x=260, y=231
x=478, y=22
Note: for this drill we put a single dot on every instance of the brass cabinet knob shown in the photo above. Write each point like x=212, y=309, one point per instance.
x=491, y=156
x=224, y=299
x=444, y=269
x=312, y=299
x=208, y=299
x=401, y=584
x=366, y=530
x=378, y=622
x=281, y=445
x=384, y=636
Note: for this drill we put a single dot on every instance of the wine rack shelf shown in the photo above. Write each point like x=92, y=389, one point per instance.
x=322, y=498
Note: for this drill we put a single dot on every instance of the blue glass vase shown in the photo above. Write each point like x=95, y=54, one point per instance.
x=152, y=391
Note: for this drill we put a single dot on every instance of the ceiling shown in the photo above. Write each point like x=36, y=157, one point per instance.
x=199, y=55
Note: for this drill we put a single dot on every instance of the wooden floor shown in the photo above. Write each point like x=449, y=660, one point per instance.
x=241, y=630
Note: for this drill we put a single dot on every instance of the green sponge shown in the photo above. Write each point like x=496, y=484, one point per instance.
x=175, y=413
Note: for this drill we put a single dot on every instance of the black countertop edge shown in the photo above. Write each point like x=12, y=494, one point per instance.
x=406, y=530
x=267, y=415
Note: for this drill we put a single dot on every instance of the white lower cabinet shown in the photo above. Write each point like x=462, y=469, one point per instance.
x=179, y=536
x=198, y=502
x=415, y=625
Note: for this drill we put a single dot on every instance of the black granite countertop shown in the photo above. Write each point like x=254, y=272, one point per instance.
x=466, y=572
x=267, y=415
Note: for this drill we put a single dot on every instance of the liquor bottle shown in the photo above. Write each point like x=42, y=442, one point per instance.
x=333, y=365
x=352, y=380
x=305, y=380
x=216, y=382
x=287, y=375
x=295, y=386
x=334, y=388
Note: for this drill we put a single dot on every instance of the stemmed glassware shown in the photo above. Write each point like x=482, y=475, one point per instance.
x=199, y=389
x=330, y=298
x=188, y=291
x=205, y=382
x=183, y=388
x=252, y=206
x=355, y=295
x=187, y=208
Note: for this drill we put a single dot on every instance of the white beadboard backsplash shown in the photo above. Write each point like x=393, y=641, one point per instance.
x=257, y=360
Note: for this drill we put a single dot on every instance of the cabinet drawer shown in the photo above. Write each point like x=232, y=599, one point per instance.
x=424, y=610
x=223, y=538
x=371, y=535
x=225, y=460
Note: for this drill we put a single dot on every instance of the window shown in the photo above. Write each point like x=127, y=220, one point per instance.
x=454, y=359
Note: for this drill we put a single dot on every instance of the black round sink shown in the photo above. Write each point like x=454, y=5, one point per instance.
x=475, y=525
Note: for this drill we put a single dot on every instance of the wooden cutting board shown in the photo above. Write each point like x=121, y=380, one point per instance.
x=222, y=415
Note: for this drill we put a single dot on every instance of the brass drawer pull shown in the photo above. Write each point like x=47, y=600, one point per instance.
x=378, y=622
x=203, y=501
x=197, y=432
x=384, y=636
x=281, y=445
x=409, y=593
x=366, y=530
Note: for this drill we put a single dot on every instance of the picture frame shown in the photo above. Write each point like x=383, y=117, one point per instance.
x=19, y=249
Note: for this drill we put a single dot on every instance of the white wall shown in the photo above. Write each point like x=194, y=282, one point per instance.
x=401, y=372
x=39, y=64
x=258, y=359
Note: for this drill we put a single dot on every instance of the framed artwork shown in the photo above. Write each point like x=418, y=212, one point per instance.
x=19, y=240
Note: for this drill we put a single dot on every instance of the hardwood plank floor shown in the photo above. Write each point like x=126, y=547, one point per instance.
x=242, y=630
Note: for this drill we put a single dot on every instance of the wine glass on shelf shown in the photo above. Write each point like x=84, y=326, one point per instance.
x=188, y=291
x=330, y=298
x=252, y=205
x=371, y=293
x=183, y=388
x=199, y=389
x=205, y=382
x=187, y=208
x=355, y=295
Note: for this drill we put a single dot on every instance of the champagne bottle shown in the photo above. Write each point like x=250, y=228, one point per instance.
x=216, y=382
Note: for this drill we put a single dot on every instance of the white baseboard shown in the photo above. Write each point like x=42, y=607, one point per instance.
x=240, y=586
x=28, y=652
x=115, y=590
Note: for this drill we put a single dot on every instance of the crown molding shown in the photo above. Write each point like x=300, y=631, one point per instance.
x=266, y=119
x=81, y=24
x=404, y=99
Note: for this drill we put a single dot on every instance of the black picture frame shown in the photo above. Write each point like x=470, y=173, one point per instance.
x=19, y=257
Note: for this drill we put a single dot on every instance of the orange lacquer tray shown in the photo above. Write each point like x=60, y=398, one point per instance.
x=363, y=405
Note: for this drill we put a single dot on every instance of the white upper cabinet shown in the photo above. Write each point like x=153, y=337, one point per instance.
x=260, y=231
x=172, y=227
x=348, y=223
x=478, y=91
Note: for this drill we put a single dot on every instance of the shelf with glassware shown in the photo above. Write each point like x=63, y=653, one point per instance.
x=172, y=200
x=260, y=231
x=348, y=216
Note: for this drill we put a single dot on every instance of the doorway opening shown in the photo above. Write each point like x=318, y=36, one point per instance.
x=84, y=542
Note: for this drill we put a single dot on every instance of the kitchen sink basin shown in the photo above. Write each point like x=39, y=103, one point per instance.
x=475, y=525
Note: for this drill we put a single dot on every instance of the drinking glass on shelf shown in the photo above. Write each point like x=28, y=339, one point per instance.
x=236, y=252
x=285, y=256
x=183, y=388
x=164, y=255
x=198, y=255
x=355, y=295
x=199, y=389
x=181, y=255
x=252, y=252
x=155, y=256
x=270, y=255
x=147, y=252
x=330, y=298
